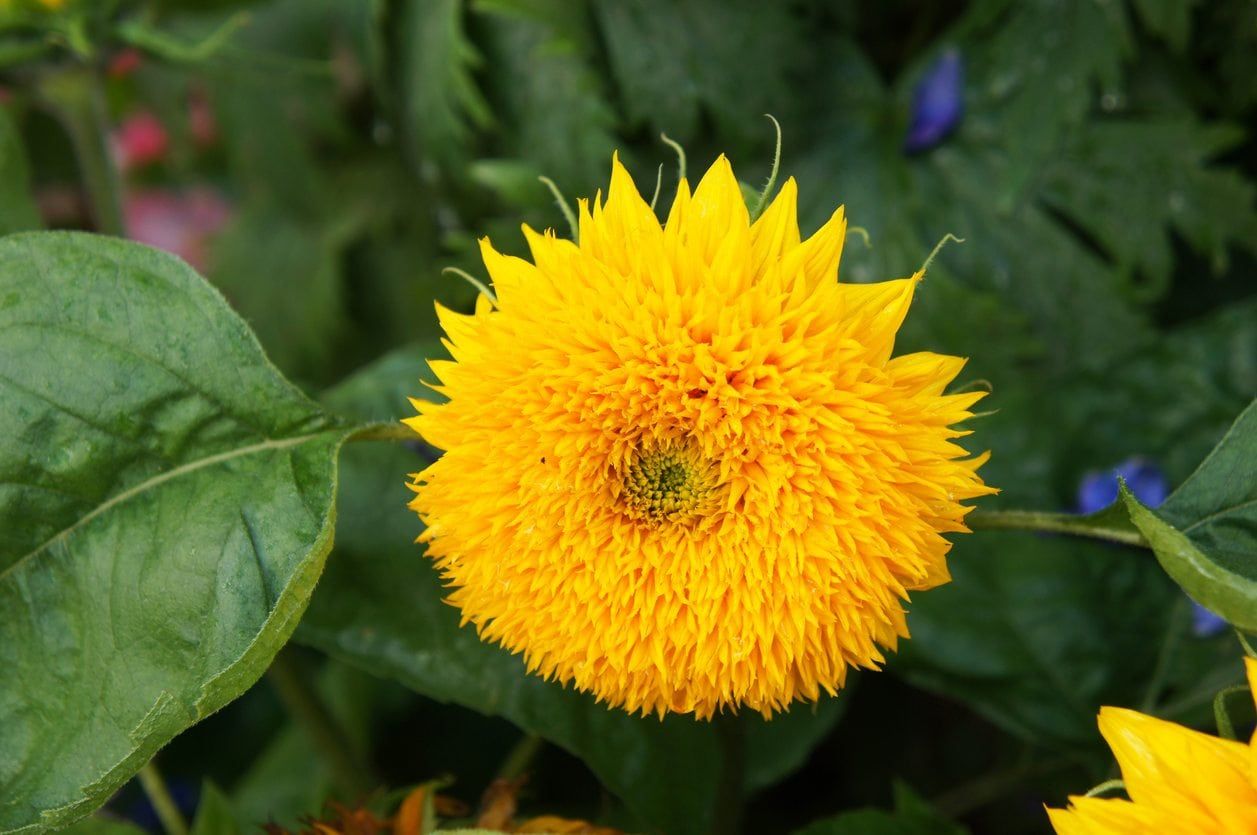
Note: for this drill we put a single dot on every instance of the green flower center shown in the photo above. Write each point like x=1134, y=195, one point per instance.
x=668, y=484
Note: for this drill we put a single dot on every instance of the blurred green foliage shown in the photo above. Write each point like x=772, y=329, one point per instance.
x=1102, y=177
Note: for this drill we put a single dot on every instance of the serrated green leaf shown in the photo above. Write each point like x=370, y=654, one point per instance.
x=1068, y=308
x=1205, y=535
x=1039, y=64
x=166, y=508
x=440, y=102
x=553, y=110
x=382, y=608
x=17, y=210
x=673, y=62
x=1211, y=207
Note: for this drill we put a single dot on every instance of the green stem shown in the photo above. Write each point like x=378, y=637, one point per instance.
x=305, y=705
x=1068, y=523
x=991, y=786
x=521, y=757
x=385, y=432
x=77, y=97
x=1169, y=645
x=727, y=816
x=167, y=810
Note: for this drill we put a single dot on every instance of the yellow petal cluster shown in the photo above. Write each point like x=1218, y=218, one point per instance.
x=1180, y=781
x=681, y=468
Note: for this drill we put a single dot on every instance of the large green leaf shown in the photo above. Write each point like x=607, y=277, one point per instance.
x=1205, y=535
x=1036, y=633
x=17, y=209
x=381, y=607
x=166, y=506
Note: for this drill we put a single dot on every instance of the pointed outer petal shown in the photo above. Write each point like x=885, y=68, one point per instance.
x=1250, y=667
x=873, y=313
x=925, y=372
x=510, y=275
x=679, y=211
x=818, y=257
x=717, y=211
x=1166, y=765
x=625, y=209
x=777, y=230
x=1104, y=816
x=624, y=233
x=552, y=255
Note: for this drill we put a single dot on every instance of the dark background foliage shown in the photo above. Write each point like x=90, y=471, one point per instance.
x=1096, y=156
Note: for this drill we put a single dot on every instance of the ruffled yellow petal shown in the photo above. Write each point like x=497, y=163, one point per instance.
x=681, y=471
x=776, y=232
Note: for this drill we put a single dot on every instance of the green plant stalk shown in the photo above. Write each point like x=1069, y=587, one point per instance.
x=77, y=98
x=520, y=758
x=167, y=810
x=1067, y=523
x=351, y=775
x=396, y=431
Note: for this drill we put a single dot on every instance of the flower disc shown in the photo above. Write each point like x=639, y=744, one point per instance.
x=681, y=469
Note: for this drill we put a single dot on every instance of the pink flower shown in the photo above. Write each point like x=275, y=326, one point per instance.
x=180, y=222
x=140, y=140
x=124, y=63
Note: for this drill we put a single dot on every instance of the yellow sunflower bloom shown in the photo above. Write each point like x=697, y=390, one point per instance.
x=1180, y=781
x=682, y=470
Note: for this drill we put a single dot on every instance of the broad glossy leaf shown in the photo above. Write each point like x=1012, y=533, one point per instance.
x=381, y=607
x=17, y=209
x=166, y=505
x=1037, y=632
x=1205, y=535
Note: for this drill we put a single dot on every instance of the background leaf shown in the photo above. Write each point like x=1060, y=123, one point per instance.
x=17, y=209
x=176, y=505
x=1204, y=534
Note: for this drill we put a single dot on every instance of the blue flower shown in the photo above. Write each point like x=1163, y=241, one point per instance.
x=938, y=103
x=1205, y=624
x=1144, y=479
